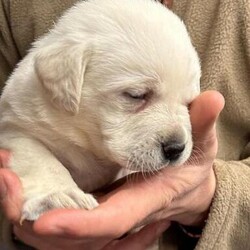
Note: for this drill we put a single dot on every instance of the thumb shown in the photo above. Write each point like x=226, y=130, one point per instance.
x=10, y=190
x=204, y=111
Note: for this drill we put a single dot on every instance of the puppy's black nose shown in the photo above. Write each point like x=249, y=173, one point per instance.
x=172, y=151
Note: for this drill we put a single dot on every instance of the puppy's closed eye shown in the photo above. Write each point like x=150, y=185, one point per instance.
x=138, y=96
x=137, y=100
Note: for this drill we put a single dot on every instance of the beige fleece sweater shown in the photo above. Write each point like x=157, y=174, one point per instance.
x=220, y=31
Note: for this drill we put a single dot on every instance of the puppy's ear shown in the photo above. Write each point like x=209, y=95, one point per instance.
x=61, y=71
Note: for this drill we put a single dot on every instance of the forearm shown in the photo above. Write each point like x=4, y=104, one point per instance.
x=8, y=51
x=228, y=223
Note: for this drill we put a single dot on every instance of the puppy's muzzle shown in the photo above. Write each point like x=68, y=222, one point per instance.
x=172, y=151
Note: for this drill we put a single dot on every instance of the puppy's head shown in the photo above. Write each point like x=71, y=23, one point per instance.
x=128, y=78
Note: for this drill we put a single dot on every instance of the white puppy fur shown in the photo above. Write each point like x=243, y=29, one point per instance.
x=106, y=89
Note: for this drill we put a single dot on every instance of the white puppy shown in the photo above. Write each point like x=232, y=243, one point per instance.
x=106, y=89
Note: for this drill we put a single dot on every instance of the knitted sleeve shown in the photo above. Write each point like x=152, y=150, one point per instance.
x=228, y=225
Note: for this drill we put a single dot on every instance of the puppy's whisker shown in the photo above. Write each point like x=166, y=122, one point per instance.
x=195, y=157
x=198, y=153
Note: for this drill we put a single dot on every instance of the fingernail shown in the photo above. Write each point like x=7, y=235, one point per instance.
x=3, y=189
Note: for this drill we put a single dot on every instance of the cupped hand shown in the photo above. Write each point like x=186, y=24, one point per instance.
x=181, y=194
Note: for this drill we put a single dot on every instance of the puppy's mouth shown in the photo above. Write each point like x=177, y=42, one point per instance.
x=165, y=155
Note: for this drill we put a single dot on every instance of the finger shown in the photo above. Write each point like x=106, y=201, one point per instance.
x=26, y=234
x=11, y=195
x=141, y=240
x=204, y=111
x=123, y=209
x=31, y=240
x=26, y=237
x=26, y=226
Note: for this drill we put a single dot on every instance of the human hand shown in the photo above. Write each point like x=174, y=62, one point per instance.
x=11, y=204
x=175, y=194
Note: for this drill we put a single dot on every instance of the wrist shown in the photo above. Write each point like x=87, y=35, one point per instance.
x=193, y=208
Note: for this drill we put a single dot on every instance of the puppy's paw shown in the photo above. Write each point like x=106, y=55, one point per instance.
x=70, y=198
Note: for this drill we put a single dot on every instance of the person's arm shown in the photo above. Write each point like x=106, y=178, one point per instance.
x=8, y=52
x=228, y=223
x=9, y=57
x=21, y=22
